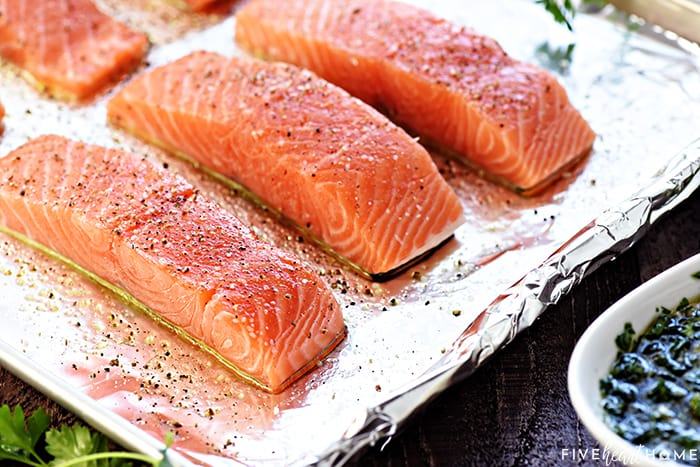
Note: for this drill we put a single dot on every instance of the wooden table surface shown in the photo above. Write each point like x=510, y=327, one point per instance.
x=515, y=409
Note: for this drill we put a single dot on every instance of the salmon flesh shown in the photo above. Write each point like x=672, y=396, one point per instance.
x=68, y=47
x=334, y=166
x=454, y=87
x=198, y=5
x=148, y=232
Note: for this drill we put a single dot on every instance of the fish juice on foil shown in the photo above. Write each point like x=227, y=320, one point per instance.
x=135, y=380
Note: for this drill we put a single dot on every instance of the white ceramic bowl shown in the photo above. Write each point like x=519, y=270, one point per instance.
x=596, y=350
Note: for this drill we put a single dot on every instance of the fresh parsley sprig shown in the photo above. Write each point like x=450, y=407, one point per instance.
x=563, y=11
x=31, y=442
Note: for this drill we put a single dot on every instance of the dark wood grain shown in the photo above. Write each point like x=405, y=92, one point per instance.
x=515, y=409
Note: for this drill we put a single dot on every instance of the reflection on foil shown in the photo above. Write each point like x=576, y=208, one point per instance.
x=409, y=338
x=615, y=230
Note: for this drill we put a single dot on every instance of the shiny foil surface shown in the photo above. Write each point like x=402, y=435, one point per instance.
x=409, y=338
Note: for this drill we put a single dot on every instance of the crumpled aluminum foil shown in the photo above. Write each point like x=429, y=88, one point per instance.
x=616, y=230
x=409, y=338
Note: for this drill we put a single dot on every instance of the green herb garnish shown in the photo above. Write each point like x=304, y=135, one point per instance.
x=695, y=406
x=564, y=11
x=625, y=340
x=556, y=58
x=31, y=442
x=651, y=396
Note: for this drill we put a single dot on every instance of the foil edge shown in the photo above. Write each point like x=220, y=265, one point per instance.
x=610, y=234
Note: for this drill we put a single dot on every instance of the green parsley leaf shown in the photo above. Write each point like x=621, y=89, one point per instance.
x=625, y=340
x=17, y=440
x=169, y=438
x=68, y=443
x=37, y=423
x=562, y=12
x=74, y=446
x=695, y=406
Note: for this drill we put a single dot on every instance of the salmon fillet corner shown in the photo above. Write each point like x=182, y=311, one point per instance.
x=68, y=47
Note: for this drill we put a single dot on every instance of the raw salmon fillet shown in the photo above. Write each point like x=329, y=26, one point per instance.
x=148, y=232
x=197, y=5
x=452, y=86
x=68, y=47
x=333, y=165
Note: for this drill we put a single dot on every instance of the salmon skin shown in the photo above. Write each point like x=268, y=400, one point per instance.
x=333, y=165
x=68, y=47
x=454, y=87
x=148, y=232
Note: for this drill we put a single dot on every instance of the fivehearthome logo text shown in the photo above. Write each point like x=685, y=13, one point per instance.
x=607, y=457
